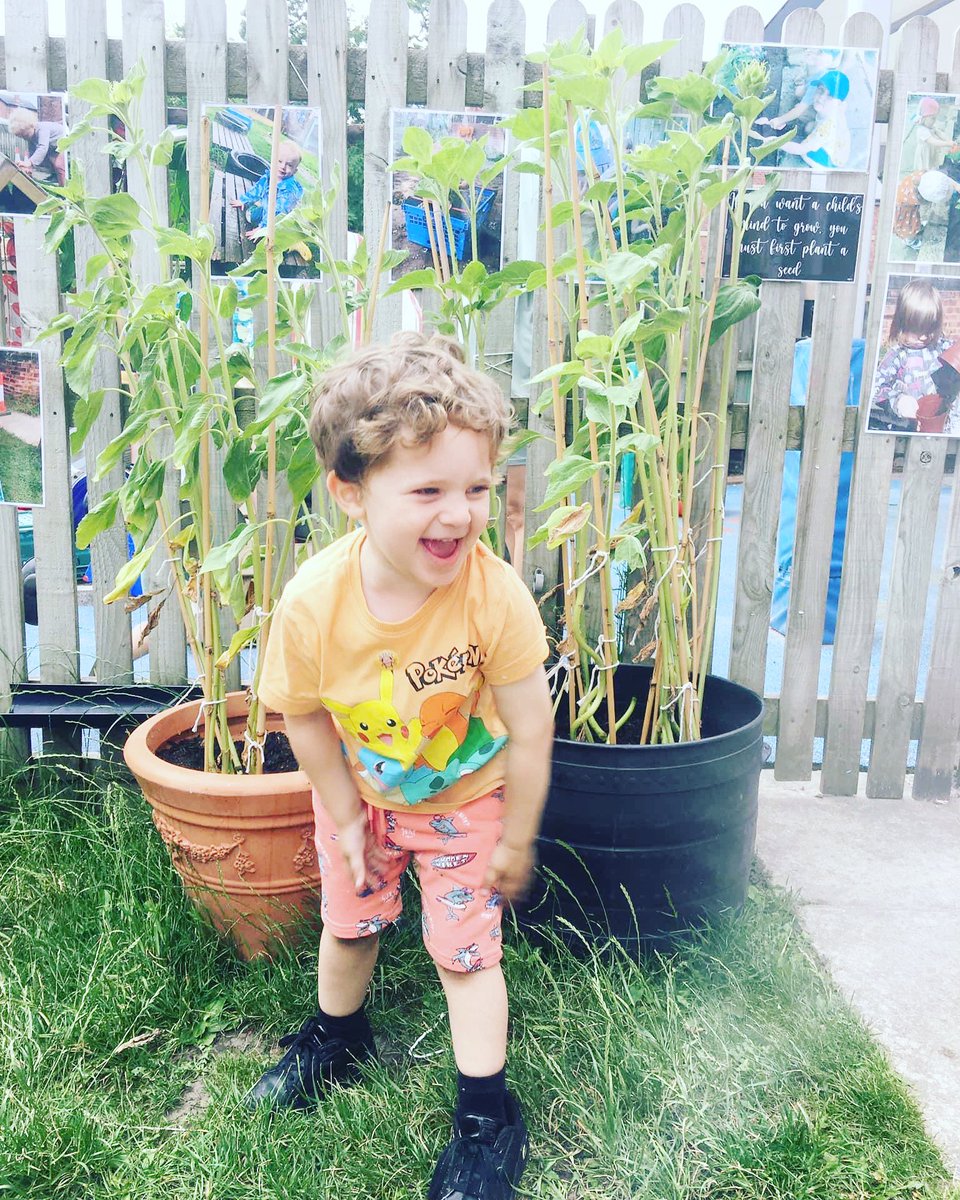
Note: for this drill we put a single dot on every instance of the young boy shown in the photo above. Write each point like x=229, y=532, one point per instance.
x=289, y=190
x=408, y=663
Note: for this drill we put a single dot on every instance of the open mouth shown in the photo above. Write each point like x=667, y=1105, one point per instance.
x=442, y=548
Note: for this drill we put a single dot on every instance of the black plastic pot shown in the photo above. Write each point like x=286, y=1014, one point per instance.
x=246, y=164
x=640, y=843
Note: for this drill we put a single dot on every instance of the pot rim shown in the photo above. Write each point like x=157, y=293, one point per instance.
x=672, y=747
x=140, y=748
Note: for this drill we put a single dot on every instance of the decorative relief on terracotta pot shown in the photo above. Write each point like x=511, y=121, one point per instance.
x=180, y=847
x=305, y=858
x=243, y=864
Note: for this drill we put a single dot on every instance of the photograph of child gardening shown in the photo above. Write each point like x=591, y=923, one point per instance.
x=417, y=650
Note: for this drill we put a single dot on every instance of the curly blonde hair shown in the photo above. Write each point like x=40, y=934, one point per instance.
x=403, y=392
x=22, y=122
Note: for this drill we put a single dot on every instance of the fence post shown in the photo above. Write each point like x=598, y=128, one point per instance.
x=938, y=751
x=26, y=47
x=386, y=88
x=867, y=513
x=144, y=37
x=834, y=314
x=86, y=54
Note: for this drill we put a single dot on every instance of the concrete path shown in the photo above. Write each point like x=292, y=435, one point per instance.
x=23, y=426
x=877, y=886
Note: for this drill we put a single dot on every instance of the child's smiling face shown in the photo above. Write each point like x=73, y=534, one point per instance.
x=288, y=162
x=423, y=509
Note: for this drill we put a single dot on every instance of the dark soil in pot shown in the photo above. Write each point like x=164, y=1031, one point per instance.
x=188, y=752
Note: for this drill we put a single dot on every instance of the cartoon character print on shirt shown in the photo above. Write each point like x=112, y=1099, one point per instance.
x=416, y=757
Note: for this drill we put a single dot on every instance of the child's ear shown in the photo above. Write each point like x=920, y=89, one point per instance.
x=347, y=496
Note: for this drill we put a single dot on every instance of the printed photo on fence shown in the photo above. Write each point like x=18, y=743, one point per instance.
x=409, y=228
x=926, y=216
x=240, y=143
x=826, y=95
x=916, y=380
x=21, y=427
x=31, y=126
x=11, y=323
x=801, y=237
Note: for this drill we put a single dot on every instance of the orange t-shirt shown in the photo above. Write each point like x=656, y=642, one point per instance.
x=412, y=699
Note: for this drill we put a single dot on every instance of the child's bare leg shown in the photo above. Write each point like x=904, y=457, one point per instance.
x=488, y=1150
x=329, y=1047
x=344, y=969
x=477, y=1004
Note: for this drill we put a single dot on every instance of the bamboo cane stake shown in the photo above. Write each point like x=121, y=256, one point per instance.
x=603, y=547
x=255, y=761
x=555, y=355
x=206, y=587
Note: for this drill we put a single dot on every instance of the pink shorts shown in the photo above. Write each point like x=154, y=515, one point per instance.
x=461, y=917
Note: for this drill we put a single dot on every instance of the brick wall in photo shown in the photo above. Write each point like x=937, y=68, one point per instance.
x=21, y=380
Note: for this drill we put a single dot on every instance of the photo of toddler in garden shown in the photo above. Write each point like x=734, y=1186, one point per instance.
x=916, y=384
x=240, y=145
x=926, y=217
x=31, y=126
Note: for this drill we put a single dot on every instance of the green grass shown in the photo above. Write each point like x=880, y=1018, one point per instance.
x=20, y=472
x=731, y=1071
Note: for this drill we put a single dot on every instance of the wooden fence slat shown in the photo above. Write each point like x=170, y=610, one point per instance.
x=834, y=324
x=446, y=49
x=903, y=628
x=327, y=29
x=504, y=77
x=40, y=303
x=628, y=16
x=777, y=326
x=386, y=88
x=86, y=42
x=939, y=749
x=59, y=635
x=30, y=42
x=143, y=39
x=268, y=61
x=686, y=24
x=446, y=55
x=873, y=464
x=206, y=83
x=937, y=753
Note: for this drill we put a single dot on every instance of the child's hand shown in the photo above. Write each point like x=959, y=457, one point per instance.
x=366, y=859
x=236, y=204
x=510, y=870
x=253, y=234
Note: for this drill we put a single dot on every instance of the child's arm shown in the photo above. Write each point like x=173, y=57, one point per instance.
x=316, y=744
x=527, y=712
x=42, y=148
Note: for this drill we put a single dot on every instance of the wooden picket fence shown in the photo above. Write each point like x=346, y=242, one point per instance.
x=324, y=73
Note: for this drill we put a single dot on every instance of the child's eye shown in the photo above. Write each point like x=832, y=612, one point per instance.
x=479, y=489
x=428, y=491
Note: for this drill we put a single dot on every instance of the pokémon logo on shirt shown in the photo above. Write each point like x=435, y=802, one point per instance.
x=443, y=667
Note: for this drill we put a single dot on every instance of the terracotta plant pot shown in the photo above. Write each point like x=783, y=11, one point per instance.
x=242, y=844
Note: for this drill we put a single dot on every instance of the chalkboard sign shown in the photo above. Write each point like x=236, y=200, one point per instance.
x=798, y=236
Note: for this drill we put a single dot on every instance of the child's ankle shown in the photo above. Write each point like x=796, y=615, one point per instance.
x=482, y=1096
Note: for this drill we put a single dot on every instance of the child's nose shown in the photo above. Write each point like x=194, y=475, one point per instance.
x=456, y=510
